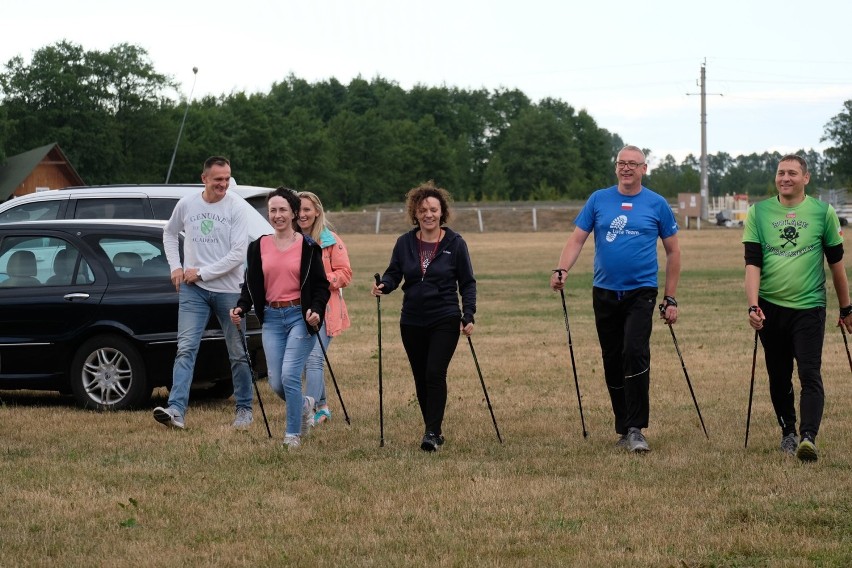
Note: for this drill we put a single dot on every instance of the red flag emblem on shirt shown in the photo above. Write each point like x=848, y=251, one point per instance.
x=627, y=206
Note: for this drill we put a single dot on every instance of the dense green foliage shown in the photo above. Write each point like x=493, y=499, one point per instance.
x=365, y=142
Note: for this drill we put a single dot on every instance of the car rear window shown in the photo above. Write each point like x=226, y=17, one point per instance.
x=163, y=207
x=259, y=203
x=136, y=257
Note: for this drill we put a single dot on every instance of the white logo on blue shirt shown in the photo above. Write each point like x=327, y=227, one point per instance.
x=616, y=227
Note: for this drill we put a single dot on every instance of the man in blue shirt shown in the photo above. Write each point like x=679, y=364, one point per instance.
x=627, y=219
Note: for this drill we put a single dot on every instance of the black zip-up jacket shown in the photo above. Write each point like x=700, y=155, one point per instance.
x=313, y=283
x=433, y=296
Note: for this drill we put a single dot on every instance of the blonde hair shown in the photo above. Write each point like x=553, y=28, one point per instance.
x=320, y=222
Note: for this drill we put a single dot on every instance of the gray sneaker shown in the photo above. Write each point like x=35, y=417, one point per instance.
x=622, y=443
x=789, y=444
x=636, y=442
x=291, y=442
x=308, y=414
x=243, y=419
x=170, y=416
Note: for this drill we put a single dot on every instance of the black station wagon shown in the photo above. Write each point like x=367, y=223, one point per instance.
x=88, y=308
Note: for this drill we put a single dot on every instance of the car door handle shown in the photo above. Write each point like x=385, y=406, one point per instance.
x=76, y=296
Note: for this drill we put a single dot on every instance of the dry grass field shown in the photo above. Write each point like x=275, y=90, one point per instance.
x=117, y=489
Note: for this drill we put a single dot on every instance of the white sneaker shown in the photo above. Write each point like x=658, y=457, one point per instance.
x=243, y=420
x=308, y=415
x=291, y=442
x=170, y=416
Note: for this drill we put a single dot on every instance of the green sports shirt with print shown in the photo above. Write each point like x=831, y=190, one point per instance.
x=793, y=241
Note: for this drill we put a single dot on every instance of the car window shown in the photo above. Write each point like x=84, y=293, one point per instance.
x=110, y=208
x=33, y=211
x=260, y=204
x=136, y=257
x=163, y=207
x=32, y=261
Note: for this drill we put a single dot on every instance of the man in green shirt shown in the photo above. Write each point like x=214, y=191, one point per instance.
x=785, y=239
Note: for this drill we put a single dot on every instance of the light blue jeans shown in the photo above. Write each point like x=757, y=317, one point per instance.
x=314, y=378
x=287, y=344
x=195, y=307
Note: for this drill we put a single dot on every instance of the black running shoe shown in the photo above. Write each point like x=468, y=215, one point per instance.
x=431, y=442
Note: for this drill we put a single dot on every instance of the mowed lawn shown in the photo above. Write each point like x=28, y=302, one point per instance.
x=117, y=489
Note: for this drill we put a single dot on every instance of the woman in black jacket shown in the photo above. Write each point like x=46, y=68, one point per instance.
x=435, y=264
x=285, y=282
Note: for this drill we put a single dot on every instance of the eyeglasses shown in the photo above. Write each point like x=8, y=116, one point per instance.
x=621, y=164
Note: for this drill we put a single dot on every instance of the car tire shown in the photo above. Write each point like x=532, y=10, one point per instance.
x=107, y=373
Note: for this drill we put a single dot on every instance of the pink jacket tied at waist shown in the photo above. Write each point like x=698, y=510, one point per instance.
x=338, y=270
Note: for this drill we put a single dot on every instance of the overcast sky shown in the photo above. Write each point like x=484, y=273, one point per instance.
x=783, y=68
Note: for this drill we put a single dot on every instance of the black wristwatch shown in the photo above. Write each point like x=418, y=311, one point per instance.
x=670, y=301
x=844, y=312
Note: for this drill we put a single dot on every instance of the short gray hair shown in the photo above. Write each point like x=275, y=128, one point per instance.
x=633, y=148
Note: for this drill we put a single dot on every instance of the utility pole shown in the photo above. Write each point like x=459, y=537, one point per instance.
x=705, y=185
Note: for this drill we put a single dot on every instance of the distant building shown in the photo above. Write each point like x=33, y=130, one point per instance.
x=36, y=170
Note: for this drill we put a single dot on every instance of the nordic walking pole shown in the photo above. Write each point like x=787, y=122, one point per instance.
x=559, y=271
x=333, y=380
x=751, y=388
x=846, y=343
x=254, y=382
x=685, y=374
x=482, y=382
x=381, y=409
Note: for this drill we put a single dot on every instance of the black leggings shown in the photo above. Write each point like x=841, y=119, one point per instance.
x=430, y=350
x=790, y=334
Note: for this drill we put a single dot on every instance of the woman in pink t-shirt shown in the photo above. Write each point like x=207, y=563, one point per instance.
x=285, y=282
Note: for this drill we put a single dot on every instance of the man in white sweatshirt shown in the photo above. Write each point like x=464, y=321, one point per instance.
x=215, y=227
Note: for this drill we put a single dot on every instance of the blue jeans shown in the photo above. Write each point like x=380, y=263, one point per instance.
x=287, y=344
x=195, y=306
x=314, y=379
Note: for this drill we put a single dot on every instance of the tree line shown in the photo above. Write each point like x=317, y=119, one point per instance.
x=117, y=120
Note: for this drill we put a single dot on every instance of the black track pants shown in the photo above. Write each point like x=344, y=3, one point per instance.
x=624, y=323
x=789, y=335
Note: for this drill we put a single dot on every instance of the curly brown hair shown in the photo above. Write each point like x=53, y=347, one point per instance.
x=415, y=197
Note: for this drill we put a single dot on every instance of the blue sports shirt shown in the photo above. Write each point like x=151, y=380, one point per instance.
x=626, y=228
